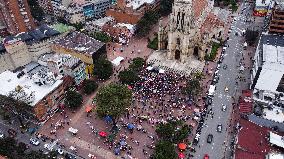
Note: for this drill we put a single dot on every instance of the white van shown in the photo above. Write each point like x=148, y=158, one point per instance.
x=211, y=90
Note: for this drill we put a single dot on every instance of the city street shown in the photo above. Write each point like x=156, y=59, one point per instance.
x=234, y=54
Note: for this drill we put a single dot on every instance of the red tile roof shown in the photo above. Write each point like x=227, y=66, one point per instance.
x=252, y=141
x=246, y=102
x=198, y=7
x=211, y=22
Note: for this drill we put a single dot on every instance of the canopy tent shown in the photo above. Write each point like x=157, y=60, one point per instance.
x=181, y=155
x=117, y=61
x=149, y=68
x=72, y=148
x=103, y=134
x=182, y=146
x=242, y=68
x=88, y=109
x=161, y=71
x=72, y=130
x=130, y=126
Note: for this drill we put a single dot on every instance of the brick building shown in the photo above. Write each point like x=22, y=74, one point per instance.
x=277, y=20
x=37, y=86
x=130, y=11
x=16, y=16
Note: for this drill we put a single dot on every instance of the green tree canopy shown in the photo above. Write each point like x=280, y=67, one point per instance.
x=103, y=68
x=89, y=86
x=112, y=100
x=36, y=10
x=146, y=22
x=101, y=36
x=251, y=36
x=128, y=77
x=19, y=109
x=73, y=99
x=173, y=131
x=165, y=150
x=137, y=64
x=193, y=87
x=166, y=7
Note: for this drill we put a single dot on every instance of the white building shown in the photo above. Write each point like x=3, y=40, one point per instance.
x=97, y=25
x=268, y=69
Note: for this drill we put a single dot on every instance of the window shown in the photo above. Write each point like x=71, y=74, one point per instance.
x=178, y=41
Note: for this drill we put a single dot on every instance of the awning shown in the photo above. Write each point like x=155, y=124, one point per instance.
x=88, y=109
x=161, y=71
x=149, y=68
x=117, y=60
x=182, y=146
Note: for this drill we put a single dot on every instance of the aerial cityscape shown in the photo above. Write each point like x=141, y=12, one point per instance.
x=142, y=79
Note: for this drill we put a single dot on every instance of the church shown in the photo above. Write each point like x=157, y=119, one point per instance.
x=192, y=28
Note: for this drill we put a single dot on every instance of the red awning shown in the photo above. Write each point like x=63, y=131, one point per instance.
x=88, y=109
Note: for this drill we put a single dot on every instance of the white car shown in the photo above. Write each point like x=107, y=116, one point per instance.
x=48, y=147
x=34, y=141
x=60, y=151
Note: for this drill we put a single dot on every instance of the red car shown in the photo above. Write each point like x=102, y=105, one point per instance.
x=206, y=156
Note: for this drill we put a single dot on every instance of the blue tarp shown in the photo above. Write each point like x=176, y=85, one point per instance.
x=130, y=126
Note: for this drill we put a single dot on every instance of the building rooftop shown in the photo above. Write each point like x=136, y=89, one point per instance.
x=253, y=141
x=135, y=4
x=276, y=139
x=101, y=22
x=79, y=42
x=30, y=85
x=272, y=59
x=41, y=33
x=62, y=28
x=66, y=59
x=275, y=114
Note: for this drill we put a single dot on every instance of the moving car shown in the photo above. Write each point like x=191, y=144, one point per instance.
x=224, y=107
x=210, y=138
x=226, y=89
x=206, y=156
x=34, y=142
x=219, y=128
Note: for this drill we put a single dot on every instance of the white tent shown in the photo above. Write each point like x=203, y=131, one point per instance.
x=149, y=68
x=211, y=90
x=117, y=60
x=245, y=44
x=72, y=130
x=161, y=71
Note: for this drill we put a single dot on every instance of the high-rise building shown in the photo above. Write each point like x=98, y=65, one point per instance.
x=16, y=16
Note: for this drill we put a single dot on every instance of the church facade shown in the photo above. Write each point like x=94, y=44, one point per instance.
x=190, y=31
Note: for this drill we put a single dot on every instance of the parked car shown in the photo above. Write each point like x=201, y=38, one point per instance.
x=34, y=142
x=1, y=135
x=206, y=156
x=69, y=156
x=60, y=151
x=224, y=107
x=209, y=138
x=219, y=128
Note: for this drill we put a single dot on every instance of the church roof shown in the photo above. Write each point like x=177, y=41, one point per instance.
x=198, y=7
x=211, y=22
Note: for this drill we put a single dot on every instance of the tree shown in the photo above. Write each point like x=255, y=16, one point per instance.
x=101, y=36
x=165, y=150
x=128, y=77
x=89, y=86
x=137, y=64
x=173, y=131
x=153, y=44
x=166, y=131
x=21, y=110
x=112, y=100
x=193, y=87
x=7, y=147
x=145, y=23
x=36, y=10
x=251, y=36
x=103, y=68
x=166, y=7
x=73, y=99
x=79, y=26
x=35, y=155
